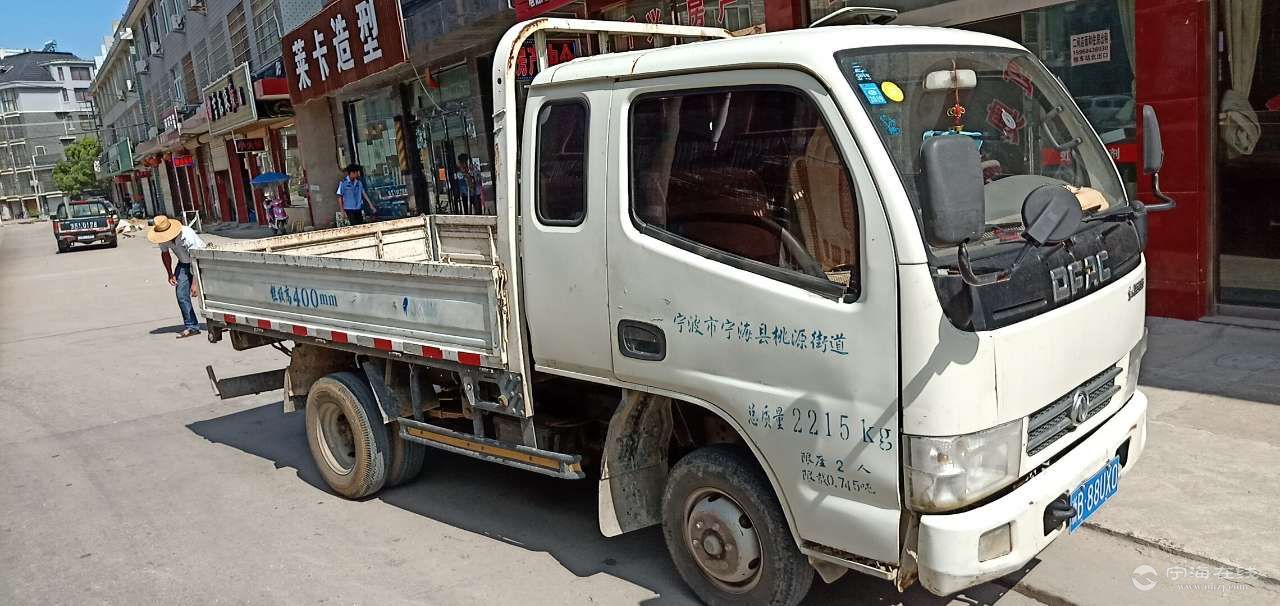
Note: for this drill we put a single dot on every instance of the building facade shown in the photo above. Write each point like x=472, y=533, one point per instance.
x=186, y=65
x=44, y=106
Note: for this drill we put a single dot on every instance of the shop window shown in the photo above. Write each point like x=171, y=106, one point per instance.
x=561, y=197
x=748, y=177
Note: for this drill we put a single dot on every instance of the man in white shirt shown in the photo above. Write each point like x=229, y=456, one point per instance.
x=176, y=239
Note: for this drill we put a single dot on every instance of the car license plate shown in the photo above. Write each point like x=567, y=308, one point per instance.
x=87, y=237
x=1089, y=496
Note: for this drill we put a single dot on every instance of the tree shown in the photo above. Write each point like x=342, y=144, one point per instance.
x=75, y=174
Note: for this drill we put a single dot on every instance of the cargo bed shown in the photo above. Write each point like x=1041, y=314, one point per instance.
x=426, y=286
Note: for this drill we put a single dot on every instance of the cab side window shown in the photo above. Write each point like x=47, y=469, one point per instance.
x=62, y=211
x=750, y=177
x=561, y=196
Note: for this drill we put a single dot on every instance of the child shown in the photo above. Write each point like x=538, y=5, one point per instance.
x=279, y=218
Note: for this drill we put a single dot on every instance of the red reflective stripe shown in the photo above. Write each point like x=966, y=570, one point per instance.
x=432, y=352
x=264, y=324
x=229, y=318
x=383, y=344
x=339, y=337
x=300, y=330
x=469, y=359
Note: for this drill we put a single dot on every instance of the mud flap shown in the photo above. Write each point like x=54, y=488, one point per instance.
x=634, y=469
x=909, y=570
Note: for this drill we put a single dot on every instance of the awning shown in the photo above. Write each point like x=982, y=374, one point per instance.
x=195, y=125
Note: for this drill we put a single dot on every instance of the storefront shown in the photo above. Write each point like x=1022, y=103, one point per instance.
x=246, y=115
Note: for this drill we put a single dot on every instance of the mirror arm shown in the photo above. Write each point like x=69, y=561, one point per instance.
x=973, y=279
x=1166, y=203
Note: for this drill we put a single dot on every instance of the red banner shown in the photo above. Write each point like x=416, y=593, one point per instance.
x=528, y=9
x=347, y=41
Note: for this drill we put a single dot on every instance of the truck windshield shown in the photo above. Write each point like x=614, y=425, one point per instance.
x=1029, y=133
x=1027, y=129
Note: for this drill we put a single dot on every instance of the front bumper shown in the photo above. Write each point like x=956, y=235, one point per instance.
x=948, y=543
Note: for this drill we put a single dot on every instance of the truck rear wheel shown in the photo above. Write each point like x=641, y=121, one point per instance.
x=348, y=440
x=406, y=459
x=727, y=534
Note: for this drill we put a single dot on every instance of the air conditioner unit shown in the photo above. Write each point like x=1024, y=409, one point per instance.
x=121, y=95
x=140, y=66
x=155, y=49
x=175, y=23
x=128, y=85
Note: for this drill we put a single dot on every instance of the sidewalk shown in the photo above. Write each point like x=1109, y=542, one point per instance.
x=1208, y=483
x=238, y=231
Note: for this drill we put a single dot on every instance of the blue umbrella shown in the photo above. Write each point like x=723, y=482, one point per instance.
x=269, y=179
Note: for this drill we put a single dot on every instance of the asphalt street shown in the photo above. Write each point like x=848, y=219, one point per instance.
x=124, y=480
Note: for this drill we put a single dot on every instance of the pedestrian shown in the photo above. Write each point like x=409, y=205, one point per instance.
x=178, y=240
x=464, y=180
x=279, y=218
x=354, y=198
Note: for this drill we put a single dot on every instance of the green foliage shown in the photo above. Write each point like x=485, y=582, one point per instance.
x=75, y=174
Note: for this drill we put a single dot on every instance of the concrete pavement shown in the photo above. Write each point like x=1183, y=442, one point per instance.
x=126, y=482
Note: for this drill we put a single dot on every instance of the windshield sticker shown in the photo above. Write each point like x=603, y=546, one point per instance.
x=1006, y=119
x=1013, y=73
x=860, y=74
x=762, y=333
x=872, y=92
x=890, y=125
x=892, y=91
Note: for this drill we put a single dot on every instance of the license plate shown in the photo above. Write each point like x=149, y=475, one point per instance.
x=1089, y=496
x=87, y=237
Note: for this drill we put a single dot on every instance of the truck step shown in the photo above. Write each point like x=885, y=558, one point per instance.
x=245, y=385
x=546, y=462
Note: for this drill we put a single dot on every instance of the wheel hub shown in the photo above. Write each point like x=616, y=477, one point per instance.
x=722, y=539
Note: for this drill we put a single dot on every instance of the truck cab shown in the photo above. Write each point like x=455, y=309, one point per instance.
x=85, y=222
x=860, y=298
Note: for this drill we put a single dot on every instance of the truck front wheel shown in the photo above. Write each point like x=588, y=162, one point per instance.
x=727, y=534
x=349, y=443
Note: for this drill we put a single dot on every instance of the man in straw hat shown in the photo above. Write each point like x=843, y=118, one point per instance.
x=176, y=239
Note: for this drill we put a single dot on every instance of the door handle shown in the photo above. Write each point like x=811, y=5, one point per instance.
x=642, y=341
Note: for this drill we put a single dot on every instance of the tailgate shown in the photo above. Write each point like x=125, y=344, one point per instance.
x=451, y=306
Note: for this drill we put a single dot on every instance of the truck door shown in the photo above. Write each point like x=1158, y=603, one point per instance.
x=562, y=224
x=751, y=270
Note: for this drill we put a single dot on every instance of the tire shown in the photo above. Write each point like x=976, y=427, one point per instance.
x=112, y=243
x=62, y=247
x=710, y=487
x=349, y=443
x=406, y=459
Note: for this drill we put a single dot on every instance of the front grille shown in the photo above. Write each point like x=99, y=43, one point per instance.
x=1047, y=425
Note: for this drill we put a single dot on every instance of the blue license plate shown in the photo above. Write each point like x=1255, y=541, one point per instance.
x=1089, y=496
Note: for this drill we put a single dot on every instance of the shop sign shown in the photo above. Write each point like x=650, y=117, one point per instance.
x=347, y=41
x=229, y=102
x=244, y=146
x=1091, y=47
x=528, y=9
x=183, y=161
x=558, y=51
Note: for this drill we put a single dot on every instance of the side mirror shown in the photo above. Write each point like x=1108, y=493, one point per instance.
x=1153, y=158
x=1152, y=147
x=954, y=205
x=1050, y=214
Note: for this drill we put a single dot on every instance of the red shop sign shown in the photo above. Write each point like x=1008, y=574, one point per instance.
x=250, y=145
x=182, y=161
x=347, y=41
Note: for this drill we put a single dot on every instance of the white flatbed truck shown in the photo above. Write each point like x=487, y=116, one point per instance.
x=858, y=298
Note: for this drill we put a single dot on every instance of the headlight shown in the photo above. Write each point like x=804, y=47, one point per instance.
x=951, y=472
x=1133, y=368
